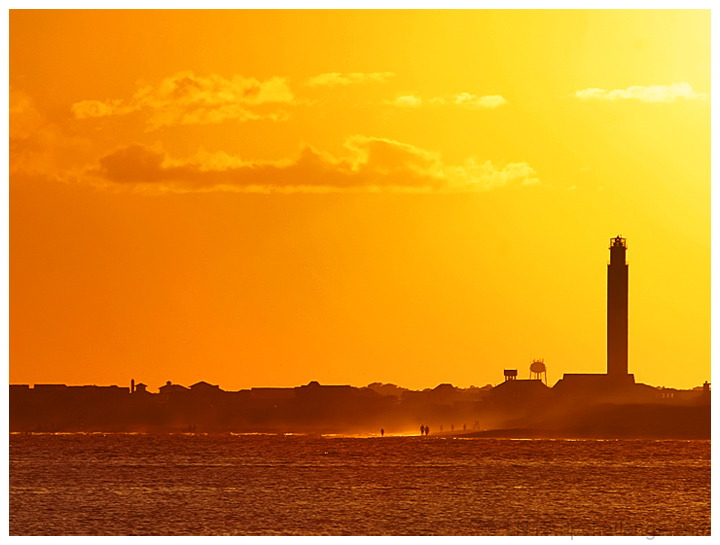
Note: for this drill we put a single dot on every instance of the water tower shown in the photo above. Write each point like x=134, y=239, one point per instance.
x=537, y=368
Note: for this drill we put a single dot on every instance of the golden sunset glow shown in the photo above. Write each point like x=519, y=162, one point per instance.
x=266, y=198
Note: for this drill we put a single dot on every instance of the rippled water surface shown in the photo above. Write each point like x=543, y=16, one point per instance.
x=196, y=484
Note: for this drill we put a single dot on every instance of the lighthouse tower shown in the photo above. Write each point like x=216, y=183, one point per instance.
x=617, y=309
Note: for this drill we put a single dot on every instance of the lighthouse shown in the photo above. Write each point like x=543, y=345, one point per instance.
x=617, y=309
x=617, y=385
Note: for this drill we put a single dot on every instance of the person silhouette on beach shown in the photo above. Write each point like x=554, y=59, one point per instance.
x=382, y=432
x=422, y=430
x=427, y=431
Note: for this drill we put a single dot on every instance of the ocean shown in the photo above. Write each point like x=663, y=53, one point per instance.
x=253, y=484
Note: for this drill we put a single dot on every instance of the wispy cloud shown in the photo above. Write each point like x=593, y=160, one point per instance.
x=370, y=164
x=463, y=100
x=98, y=108
x=474, y=102
x=24, y=117
x=187, y=99
x=406, y=101
x=36, y=146
x=652, y=93
x=333, y=79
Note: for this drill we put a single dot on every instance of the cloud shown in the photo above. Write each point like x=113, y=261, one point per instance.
x=406, y=101
x=370, y=164
x=186, y=99
x=652, y=93
x=97, y=108
x=24, y=117
x=36, y=146
x=475, y=102
x=30, y=141
x=332, y=79
x=464, y=100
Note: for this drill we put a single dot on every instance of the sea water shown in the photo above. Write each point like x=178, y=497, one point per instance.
x=210, y=484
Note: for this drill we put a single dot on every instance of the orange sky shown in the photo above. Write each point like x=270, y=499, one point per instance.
x=270, y=198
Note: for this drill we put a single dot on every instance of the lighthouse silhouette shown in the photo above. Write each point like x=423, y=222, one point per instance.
x=616, y=385
x=617, y=309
